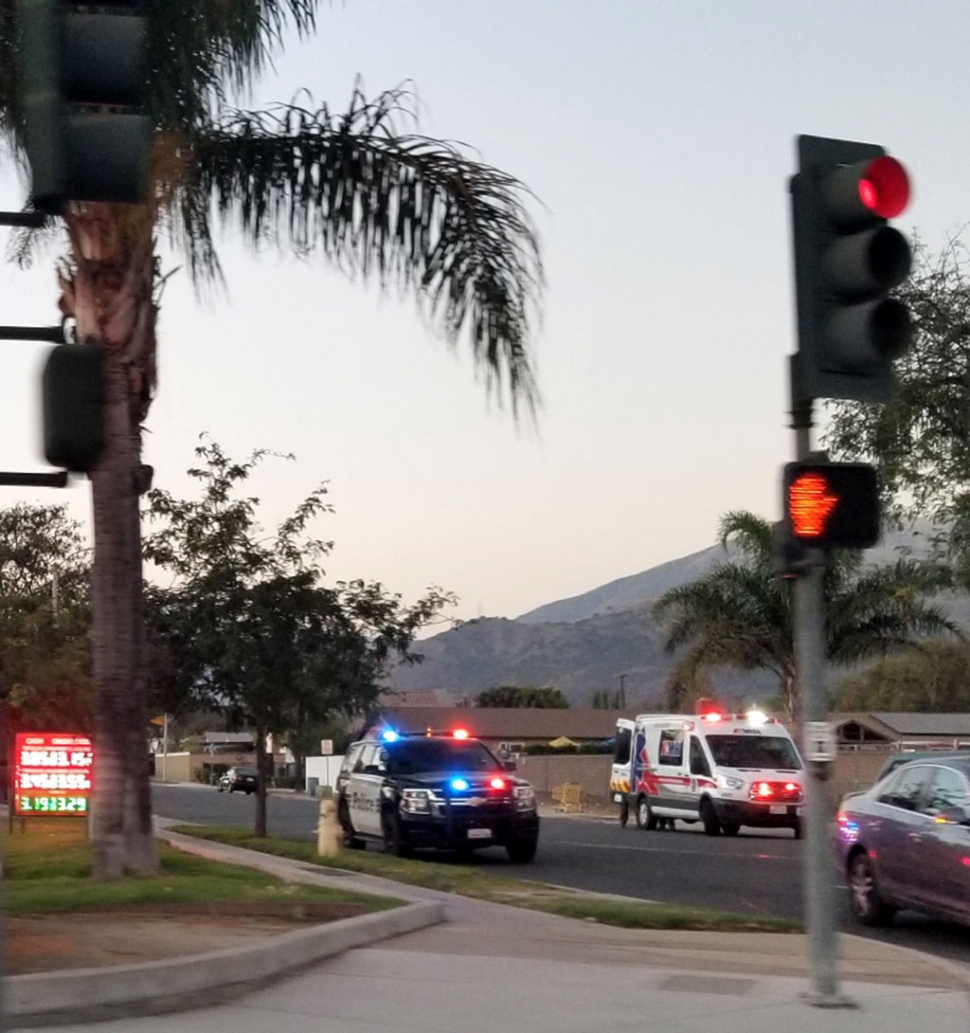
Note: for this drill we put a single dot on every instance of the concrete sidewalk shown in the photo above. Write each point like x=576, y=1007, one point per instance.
x=490, y=967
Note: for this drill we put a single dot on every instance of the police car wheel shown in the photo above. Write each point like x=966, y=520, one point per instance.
x=797, y=828
x=711, y=825
x=395, y=838
x=731, y=828
x=523, y=851
x=351, y=840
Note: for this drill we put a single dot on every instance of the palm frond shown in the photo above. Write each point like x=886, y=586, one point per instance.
x=408, y=210
x=752, y=534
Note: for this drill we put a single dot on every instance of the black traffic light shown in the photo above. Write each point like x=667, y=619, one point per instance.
x=83, y=71
x=73, y=406
x=831, y=505
x=847, y=260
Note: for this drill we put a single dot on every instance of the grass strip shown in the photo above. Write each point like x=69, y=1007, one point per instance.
x=469, y=881
x=48, y=869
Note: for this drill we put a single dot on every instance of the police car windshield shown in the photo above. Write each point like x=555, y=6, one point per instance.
x=753, y=751
x=412, y=756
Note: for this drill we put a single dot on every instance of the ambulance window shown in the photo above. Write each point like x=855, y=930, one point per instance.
x=624, y=738
x=698, y=762
x=671, y=747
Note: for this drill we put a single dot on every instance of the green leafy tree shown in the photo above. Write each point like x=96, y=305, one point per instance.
x=921, y=437
x=352, y=186
x=931, y=679
x=522, y=696
x=45, y=621
x=740, y=615
x=248, y=625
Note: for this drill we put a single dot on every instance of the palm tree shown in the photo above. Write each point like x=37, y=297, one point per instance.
x=403, y=209
x=740, y=615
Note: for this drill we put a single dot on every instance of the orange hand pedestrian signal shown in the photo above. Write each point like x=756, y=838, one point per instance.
x=809, y=505
x=831, y=505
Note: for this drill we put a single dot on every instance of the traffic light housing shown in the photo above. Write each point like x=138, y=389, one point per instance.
x=72, y=388
x=831, y=505
x=83, y=75
x=847, y=260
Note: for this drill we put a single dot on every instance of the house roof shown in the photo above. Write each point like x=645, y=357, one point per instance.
x=903, y=725
x=510, y=723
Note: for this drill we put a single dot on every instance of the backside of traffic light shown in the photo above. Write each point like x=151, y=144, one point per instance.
x=847, y=261
x=83, y=72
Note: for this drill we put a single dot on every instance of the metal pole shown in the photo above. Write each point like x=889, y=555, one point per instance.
x=165, y=748
x=810, y=664
x=27, y=220
x=51, y=334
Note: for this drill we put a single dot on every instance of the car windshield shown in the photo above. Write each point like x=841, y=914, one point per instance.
x=245, y=771
x=754, y=751
x=408, y=758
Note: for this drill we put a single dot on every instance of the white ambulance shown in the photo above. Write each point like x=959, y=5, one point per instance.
x=724, y=770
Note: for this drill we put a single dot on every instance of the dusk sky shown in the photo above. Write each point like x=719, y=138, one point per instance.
x=658, y=139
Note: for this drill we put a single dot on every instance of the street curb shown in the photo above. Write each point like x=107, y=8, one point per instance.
x=201, y=980
x=959, y=972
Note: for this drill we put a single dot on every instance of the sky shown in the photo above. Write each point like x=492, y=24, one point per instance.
x=657, y=138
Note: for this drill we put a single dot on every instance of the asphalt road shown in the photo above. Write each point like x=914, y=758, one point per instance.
x=757, y=872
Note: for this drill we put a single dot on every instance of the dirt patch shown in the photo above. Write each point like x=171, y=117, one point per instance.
x=145, y=932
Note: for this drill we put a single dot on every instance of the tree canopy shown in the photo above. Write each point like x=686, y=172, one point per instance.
x=248, y=624
x=545, y=697
x=45, y=661
x=921, y=437
x=740, y=615
x=931, y=679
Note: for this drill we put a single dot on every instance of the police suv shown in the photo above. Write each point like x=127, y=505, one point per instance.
x=443, y=790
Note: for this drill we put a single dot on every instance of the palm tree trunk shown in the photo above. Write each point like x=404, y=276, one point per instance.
x=108, y=289
x=789, y=696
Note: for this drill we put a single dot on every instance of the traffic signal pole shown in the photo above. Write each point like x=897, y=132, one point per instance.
x=850, y=330
x=810, y=666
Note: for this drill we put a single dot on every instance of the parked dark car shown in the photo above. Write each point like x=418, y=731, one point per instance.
x=905, y=843
x=238, y=778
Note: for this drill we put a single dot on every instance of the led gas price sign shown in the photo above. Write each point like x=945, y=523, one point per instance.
x=52, y=773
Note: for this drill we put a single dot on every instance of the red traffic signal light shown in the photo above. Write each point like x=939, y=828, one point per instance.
x=884, y=187
x=848, y=259
x=832, y=505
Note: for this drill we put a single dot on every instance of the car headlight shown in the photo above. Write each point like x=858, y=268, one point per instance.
x=415, y=801
x=525, y=798
x=726, y=782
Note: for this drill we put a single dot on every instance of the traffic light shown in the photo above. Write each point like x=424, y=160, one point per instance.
x=831, y=505
x=83, y=71
x=73, y=406
x=847, y=260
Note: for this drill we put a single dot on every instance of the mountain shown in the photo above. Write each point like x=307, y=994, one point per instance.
x=587, y=642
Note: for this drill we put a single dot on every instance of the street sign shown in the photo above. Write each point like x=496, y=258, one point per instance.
x=820, y=744
x=326, y=747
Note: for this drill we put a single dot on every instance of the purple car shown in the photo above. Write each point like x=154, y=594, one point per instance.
x=905, y=843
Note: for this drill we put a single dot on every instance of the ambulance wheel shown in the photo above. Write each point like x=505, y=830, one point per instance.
x=624, y=813
x=711, y=825
x=731, y=828
x=646, y=819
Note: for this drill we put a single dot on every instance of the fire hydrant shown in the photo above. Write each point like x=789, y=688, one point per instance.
x=328, y=830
